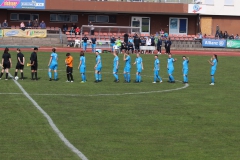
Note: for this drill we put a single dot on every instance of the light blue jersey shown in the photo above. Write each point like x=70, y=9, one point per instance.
x=185, y=64
x=156, y=64
x=115, y=62
x=82, y=59
x=98, y=58
x=54, y=61
x=138, y=62
x=214, y=66
x=170, y=63
x=128, y=62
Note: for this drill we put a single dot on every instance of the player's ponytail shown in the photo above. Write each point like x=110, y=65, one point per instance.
x=216, y=57
x=6, y=50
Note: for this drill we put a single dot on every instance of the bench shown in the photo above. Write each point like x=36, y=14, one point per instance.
x=147, y=48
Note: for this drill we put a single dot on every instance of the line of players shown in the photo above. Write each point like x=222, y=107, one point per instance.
x=53, y=65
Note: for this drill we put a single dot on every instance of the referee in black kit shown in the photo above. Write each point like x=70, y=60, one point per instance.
x=20, y=63
x=6, y=63
x=34, y=63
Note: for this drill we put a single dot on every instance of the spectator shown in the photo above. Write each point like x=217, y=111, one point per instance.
x=225, y=35
x=159, y=45
x=72, y=31
x=143, y=41
x=74, y=26
x=152, y=40
x=130, y=46
x=126, y=38
x=237, y=37
x=200, y=35
x=35, y=23
x=22, y=26
x=169, y=43
x=157, y=34
x=231, y=37
x=29, y=24
x=217, y=30
x=5, y=24
x=137, y=42
x=93, y=40
x=118, y=42
x=205, y=36
x=161, y=33
x=92, y=28
x=77, y=32
x=124, y=47
x=42, y=25
x=220, y=35
x=112, y=42
x=165, y=35
x=130, y=39
x=149, y=42
x=65, y=27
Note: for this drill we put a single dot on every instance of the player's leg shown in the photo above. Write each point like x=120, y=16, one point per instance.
x=55, y=72
x=35, y=71
x=100, y=74
x=154, y=76
x=68, y=77
x=137, y=77
x=125, y=75
x=70, y=74
x=212, y=77
x=6, y=71
x=21, y=71
x=116, y=75
x=50, y=74
x=16, y=71
x=96, y=75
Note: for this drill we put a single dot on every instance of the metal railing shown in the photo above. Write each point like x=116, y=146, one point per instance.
x=153, y=1
x=60, y=36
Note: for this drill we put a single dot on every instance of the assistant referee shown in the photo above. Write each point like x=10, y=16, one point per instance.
x=34, y=63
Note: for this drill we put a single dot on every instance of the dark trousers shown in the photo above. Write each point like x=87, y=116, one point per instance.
x=159, y=48
x=168, y=49
x=92, y=32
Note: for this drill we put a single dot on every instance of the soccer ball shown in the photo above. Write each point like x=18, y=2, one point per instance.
x=16, y=78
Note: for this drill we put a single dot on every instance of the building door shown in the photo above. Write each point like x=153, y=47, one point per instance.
x=143, y=23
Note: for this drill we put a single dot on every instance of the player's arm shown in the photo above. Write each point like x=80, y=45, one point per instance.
x=80, y=62
x=23, y=61
x=175, y=59
x=142, y=65
x=210, y=62
x=97, y=63
x=117, y=65
x=124, y=57
x=50, y=60
x=10, y=60
x=33, y=60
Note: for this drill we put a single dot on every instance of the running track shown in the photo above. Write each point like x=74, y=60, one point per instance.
x=179, y=52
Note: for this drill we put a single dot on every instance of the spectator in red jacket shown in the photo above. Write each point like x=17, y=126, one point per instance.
x=77, y=31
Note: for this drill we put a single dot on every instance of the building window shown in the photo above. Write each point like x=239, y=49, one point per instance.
x=102, y=18
x=23, y=16
x=209, y=2
x=229, y=2
x=63, y=18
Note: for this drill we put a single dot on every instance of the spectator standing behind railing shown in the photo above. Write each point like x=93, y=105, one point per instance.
x=159, y=45
x=65, y=28
x=225, y=35
x=94, y=40
x=169, y=43
x=112, y=42
x=35, y=23
x=92, y=28
x=231, y=37
x=137, y=42
x=220, y=35
x=22, y=26
x=237, y=37
x=126, y=38
x=29, y=25
x=217, y=30
x=42, y=25
x=5, y=24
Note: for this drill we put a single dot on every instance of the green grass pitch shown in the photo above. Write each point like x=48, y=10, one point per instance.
x=199, y=122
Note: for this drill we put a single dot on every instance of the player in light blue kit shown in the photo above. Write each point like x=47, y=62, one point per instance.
x=98, y=68
x=127, y=67
x=139, y=65
x=156, y=69
x=170, y=68
x=213, y=61
x=115, y=66
x=82, y=66
x=53, y=65
x=185, y=69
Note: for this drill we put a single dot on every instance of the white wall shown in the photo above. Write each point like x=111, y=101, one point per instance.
x=218, y=8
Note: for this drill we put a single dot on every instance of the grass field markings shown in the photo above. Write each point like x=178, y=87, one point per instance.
x=52, y=124
x=11, y=93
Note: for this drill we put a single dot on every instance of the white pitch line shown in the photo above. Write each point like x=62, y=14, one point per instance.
x=117, y=94
x=52, y=124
